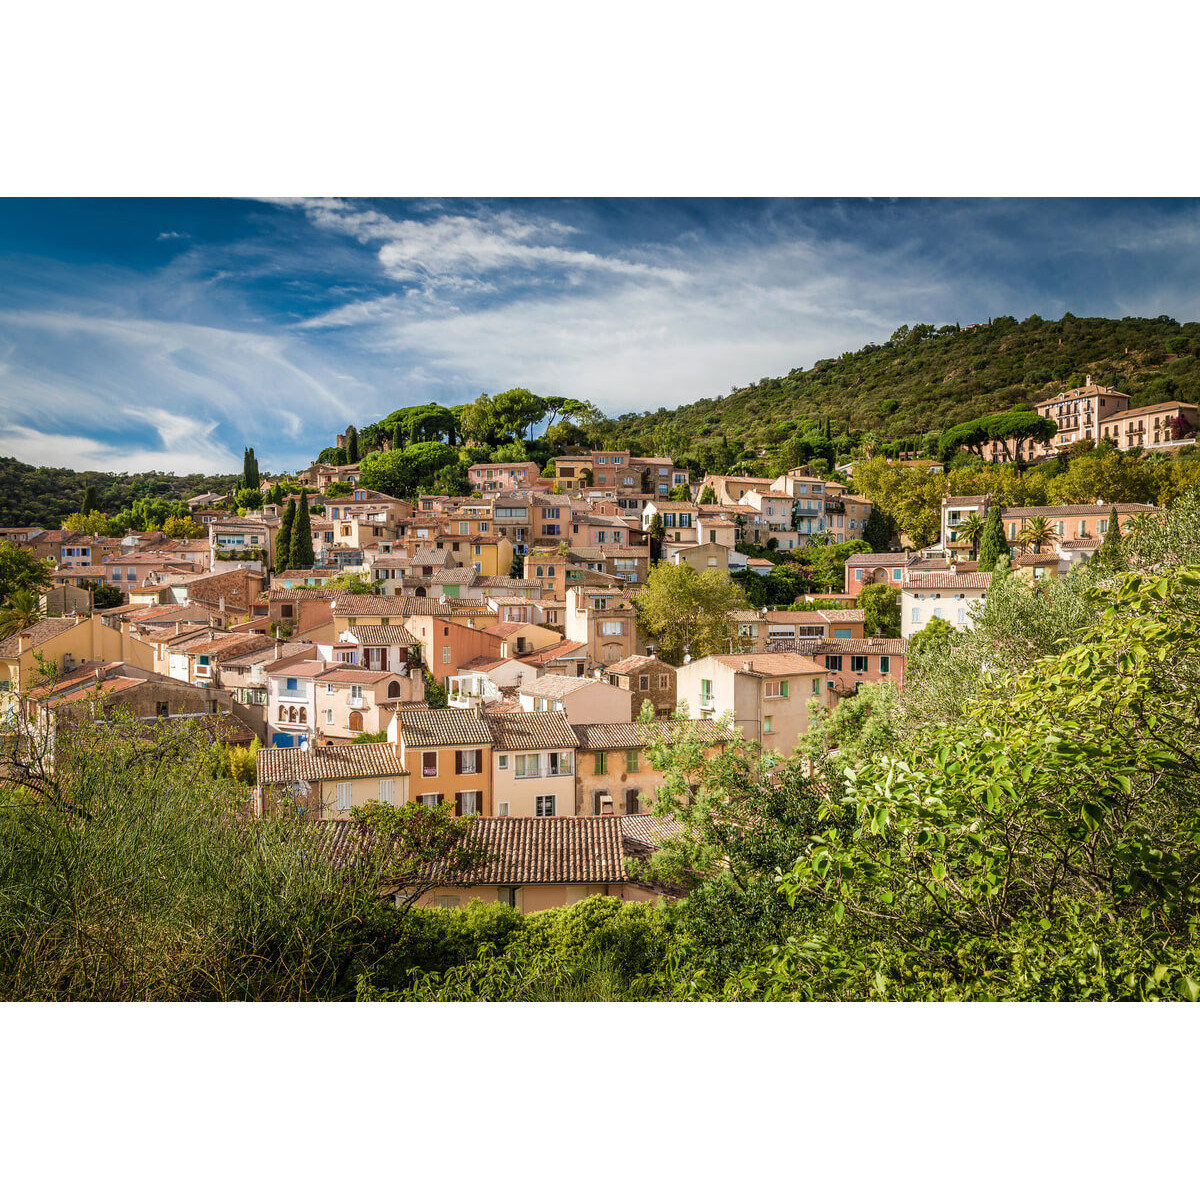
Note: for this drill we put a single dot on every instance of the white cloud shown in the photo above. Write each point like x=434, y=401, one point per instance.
x=87, y=454
x=166, y=237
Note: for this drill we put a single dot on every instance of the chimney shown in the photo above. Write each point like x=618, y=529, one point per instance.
x=178, y=626
x=21, y=646
x=1089, y=382
x=748, y=665
x=99, y=673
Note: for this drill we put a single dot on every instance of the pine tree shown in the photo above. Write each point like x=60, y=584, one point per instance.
x=89, y=501
x=302, y=547
x=283, y=539
x=352, y=444
x=993, y=545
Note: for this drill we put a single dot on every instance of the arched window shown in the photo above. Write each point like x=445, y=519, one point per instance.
x=355, y=721
x=394, y=689
x=292, y=714
x=419, y=592
x=283, y=712
x=304, y=716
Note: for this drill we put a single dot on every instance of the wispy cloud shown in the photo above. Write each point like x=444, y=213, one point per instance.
x=169, y=236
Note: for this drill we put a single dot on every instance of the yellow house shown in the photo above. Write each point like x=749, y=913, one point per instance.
x=326, y=782
x=64, y=643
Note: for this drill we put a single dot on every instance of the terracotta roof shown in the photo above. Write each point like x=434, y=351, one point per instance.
x=550, y=653
x=892, y=646
x=1035, y=560
x=452, y=575
x=431, y=557
x=352, y=761
x=637, y=662
x=349, y=673
x=1081, y=544
x=383, y=635
x=1076, y=510
x=557, y=686
x=963, y=500
x=648, y=829
x=443, y=727
x=948, y=580
x=897, y=559
x=35, y=635
x=484, y=663
x=770, y=665
x=843, y=616
x=629, y=735
x=309, y=667
x=530, y=731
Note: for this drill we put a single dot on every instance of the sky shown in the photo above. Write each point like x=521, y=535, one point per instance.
x=168, y=334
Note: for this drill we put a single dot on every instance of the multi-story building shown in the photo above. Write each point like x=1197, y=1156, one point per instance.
x=760, y=630
x=1154, y=426
x=447, y=752
x=533, y=764
x=604, y=620
x=291, y=702
x=852, y=662
x=498, y=477
x=947, y=595
x=765, y=695
x=644, y=678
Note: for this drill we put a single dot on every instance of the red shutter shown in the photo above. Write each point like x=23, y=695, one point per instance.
x=458, y=804
x=458, y=762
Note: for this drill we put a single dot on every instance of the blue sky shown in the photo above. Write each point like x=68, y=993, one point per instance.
x=139, y=334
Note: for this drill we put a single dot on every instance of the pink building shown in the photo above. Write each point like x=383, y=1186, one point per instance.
x=496, y=477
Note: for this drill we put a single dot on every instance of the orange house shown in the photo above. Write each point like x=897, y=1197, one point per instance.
x=447, y=645
x=448, y=754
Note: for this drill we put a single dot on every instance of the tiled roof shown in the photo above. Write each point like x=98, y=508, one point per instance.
x=308, y=668
x=349, y=673
x=648, y=829
x=1081, y=544
x=1077, y=510
x=443, y=727
x=556, y=686
x=431, y=558
x=630, y=735
x=637, y=662
x=1035, y=560
x=962, y=500
x=550, y=653
x=388, y=606
x=484, y=663
x=530, y=731
x=948, y=580
x=899, y=558
x=353, y=761
x=35, y=635
x=892, y=646
x=452, y=575
x=383, y=635
x=844, y=616
x=770, y=665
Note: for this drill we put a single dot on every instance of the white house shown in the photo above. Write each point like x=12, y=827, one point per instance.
x=945, y=594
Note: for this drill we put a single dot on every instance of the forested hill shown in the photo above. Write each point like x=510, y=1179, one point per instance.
x=925, y=380
x=44, y=495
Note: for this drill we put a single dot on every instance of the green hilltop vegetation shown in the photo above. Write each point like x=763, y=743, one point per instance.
x=922, y=382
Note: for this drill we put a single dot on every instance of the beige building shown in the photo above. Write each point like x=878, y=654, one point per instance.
x=583, y=699
x=765, y=695
x=533, y=764
x=644, y=678
x=604, y=620
x=614, y=774
x=326, y=782
x=349, y=700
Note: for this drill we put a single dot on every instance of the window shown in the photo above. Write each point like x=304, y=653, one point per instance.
x=502, y=808
x=777, y=689
x=292, y=685
x=601, y=762
x=543, y=806
x=329, y=716
x=430, y=799
x=445, y=654
x=706, y=693
x=387, y=791
x=356, y=691
x=962, y=615
x=561, y=763
x=644, y=683
x=858, y=572
x=467, y=803
x=429, y=763
x=631, y=760
x=858, y=662
x=833, y=662
x=466, y=762
x=916, y=616
x=896, y=573
x=343, y=794
x=612, y=628
x=529, y=766
x=767, y=725
x=885, y=664
x=816, y=687
x=502, y=762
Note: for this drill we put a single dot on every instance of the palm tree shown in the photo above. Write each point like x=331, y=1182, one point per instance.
x=22, y=611
x=972, y=529
x=1037, y=533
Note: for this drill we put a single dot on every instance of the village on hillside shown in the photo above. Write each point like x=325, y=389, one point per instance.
x=510, y=652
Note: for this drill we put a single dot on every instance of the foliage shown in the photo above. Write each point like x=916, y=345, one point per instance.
x=993, y=545
x=335, y=490
x=880, y=530
x=250, y=477
x=681, y=608
x=407, y=471
x=21, y=571
x=106, y=595
x=936, y=630
x=1110, y=556
x=880, y=603
x=94, y=523
x=1044, y=847
x=185, y=528
x=494, y=419
x=707, y=495
x=435, y=694
x=21, y=609
x=828, y=562
x=283, y=538
x=1020, y=426
x=300, y=552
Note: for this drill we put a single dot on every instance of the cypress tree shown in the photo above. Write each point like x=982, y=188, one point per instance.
x=250, y=477
x=993, y=545
x=352, y=444
x=283, y=539
x=1110, y=554
x=89, y=501
x=302, y=547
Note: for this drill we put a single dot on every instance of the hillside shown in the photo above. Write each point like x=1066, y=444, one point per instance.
x=44, y=495
x=925, y=380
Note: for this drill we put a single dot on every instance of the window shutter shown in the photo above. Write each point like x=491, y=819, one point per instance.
x=458, y=763
x=458, y=804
